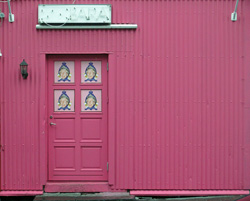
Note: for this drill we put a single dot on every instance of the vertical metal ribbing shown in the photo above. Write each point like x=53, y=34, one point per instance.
x=179, y=93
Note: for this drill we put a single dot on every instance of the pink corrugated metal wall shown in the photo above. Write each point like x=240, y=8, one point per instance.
x=178, y=99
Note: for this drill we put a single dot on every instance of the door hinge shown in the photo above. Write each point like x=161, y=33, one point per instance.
x=107, y=166
x=107, y=66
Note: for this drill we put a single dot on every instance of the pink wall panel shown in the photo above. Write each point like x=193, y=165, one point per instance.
x=178, y=99
x=246, y=100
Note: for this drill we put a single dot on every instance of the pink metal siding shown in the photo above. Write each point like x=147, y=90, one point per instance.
x=247, y=101
x=176, y=87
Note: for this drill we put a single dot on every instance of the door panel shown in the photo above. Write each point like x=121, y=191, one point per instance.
x=91, y=129
x=64, y=133
x=77, y=112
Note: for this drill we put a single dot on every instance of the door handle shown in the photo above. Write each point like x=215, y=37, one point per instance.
x=52, y=124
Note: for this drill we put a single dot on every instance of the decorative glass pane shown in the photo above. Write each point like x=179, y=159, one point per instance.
x=91, y=100
x=91, y=72
x=64, y=100
x=64, y=72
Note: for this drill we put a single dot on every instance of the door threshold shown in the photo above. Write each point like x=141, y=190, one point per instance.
x=85, y=196
x=77, y=187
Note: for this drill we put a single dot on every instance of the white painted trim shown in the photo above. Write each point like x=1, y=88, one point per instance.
x=111, y=26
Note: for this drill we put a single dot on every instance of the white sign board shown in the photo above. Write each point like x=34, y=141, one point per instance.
x=74, y=14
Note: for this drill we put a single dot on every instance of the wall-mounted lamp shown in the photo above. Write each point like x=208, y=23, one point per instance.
x=11, y=16
x=234, y=14
x=24, y=69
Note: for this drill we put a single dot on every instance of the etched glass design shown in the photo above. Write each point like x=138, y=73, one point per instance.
x=64, y=72
x=64, y=100
x=91, y=72
x=91, y=100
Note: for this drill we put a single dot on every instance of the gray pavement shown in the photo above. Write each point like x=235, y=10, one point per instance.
x=118, y=197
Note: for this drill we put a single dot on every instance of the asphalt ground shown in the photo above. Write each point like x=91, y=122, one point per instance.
x=78, y=197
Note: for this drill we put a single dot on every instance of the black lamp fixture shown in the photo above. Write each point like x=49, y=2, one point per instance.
x=24, y=69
